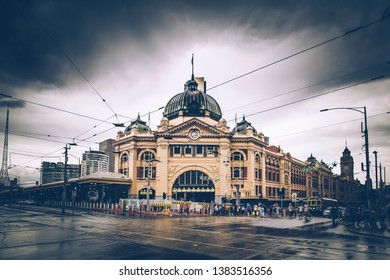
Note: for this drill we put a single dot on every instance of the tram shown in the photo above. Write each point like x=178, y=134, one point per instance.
x=318, y=204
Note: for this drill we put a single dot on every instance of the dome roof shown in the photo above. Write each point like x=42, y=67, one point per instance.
x=142, y=126
x=192, y=102
x=243, y=125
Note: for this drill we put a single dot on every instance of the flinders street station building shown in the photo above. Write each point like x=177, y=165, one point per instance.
x=194, y=155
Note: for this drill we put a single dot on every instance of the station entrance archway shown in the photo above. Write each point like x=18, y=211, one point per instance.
x=194, y=185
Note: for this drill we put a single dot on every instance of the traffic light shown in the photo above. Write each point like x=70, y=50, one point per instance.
x=74, y=186
x=164, y=195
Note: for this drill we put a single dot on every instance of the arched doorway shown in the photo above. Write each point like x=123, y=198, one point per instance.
x=194, y=185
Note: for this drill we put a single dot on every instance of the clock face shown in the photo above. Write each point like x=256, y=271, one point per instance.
x=346, y=168
x=194, y=134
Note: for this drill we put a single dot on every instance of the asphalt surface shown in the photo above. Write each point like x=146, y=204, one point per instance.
x=35, y=233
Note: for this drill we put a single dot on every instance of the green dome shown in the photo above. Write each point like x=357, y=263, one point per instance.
x=243, y=125
x=192, y=102
x=142, y=126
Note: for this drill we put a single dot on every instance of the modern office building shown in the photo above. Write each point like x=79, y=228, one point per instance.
x=194, y=155
x=108, y=148
x=94, y=161
x=54, y=172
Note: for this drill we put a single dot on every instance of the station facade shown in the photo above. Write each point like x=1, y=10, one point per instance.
x=194, y=155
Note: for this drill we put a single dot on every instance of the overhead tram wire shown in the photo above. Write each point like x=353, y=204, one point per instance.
x=124, y=123
x=314, y=96
x=92, y=128
x=327, y=126
x=74, y=65
x=310, y=86
x=54, y=108
x=384, y=17
x=39, y=138
x=20, y=133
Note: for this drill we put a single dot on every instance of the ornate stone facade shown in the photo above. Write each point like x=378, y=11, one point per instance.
x=194, y=155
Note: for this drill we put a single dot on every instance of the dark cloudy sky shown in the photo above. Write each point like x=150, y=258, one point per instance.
x=136, y=55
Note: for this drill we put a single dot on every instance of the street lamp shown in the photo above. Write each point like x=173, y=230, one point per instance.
x=65, y=176
x=359, y=109
x=150, y=174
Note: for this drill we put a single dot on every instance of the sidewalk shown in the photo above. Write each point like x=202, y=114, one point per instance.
x=286, y=222
x=340, y=227
x=383, y=233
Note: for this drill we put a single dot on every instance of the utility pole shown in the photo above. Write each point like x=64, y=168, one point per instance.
x=376, y=169
x=65, y=176
x=4, y=178
x=148, y=180
x=366, y=145
x=380, y=191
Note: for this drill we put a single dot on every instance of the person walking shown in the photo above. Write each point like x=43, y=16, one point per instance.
x=334, y=213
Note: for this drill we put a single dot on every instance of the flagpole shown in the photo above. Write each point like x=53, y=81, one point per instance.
x=192, y=63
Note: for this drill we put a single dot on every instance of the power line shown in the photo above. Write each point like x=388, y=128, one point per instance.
x=384, y=17
x=91, y=128
x=314, y=96
x=54, y=108
x=327, y=126
x=71, y=61
x=39, y=138
x=310, y=86
x=20, y=133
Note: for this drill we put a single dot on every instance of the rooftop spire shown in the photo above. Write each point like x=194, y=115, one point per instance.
x=192, y=63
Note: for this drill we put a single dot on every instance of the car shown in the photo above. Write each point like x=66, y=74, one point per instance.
x=29, y=201
x=327, y=212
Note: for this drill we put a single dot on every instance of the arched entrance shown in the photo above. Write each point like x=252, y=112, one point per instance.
x=193, y=185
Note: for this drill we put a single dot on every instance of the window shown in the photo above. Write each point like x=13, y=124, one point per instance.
x=147, y=160
x=236, y=156
x=257, y=173
x=124, y=157
x=188, y=150
x=258, y=190
x=199, y=149
x=236, y=172
x=142, y=173
x=176, y=150
x=212, y=150
x=147, y=156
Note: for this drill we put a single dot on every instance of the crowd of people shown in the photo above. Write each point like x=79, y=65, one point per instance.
x=374, y=217
x=260, y=210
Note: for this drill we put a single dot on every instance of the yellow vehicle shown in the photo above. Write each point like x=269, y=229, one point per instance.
x=318, y=204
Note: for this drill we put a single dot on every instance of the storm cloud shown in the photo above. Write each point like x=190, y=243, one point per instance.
x=39, y=37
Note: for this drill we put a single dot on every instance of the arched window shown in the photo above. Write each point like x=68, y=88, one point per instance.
x=147, y=155
x=147, y=159
x=236, y=173
x=124, y=157
x=237, y=156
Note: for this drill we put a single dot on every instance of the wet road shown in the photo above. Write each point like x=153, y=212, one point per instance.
x=38, y=233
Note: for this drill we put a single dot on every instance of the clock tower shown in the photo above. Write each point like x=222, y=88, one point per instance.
x=346, y=165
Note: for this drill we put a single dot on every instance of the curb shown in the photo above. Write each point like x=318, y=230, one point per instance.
x=369, y=233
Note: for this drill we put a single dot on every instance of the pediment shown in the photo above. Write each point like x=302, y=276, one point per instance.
x=205, y=130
